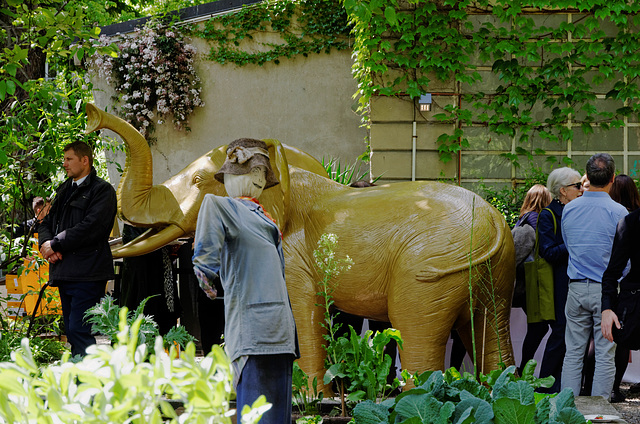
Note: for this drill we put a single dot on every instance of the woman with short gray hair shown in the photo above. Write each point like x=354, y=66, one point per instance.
x=560, y=179
x=564, y=185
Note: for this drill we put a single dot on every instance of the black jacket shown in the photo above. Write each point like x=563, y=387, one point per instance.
x=79, y=228
x=624, y=249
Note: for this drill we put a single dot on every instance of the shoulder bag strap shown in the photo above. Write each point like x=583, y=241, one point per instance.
x=523, y=220
x=555, y=229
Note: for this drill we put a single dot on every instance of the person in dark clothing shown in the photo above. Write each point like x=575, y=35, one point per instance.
x=209, y=313
x=74, y=238
x=625, y=192
x=41, y=208
x=565, y=186
x=150, y=275
x=623, y=250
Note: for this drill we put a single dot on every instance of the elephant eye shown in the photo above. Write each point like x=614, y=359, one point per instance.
x=201, y=176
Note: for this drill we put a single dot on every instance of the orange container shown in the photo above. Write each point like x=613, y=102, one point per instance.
x=13, y=284
x=23, y=291
x=25, y=304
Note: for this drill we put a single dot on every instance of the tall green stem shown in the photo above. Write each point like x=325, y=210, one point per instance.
x=473, y=333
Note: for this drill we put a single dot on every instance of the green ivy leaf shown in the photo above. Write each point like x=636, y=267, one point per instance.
x=390, y=15
x=11, y=87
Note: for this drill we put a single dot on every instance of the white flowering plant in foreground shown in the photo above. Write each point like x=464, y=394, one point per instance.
x=329, y=267
x=154, y=77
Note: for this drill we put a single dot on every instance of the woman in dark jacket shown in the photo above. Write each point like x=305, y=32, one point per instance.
x=625, y=192
x=564, y=185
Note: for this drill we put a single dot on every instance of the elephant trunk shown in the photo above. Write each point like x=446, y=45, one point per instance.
x=137, y=178
x=151, y=240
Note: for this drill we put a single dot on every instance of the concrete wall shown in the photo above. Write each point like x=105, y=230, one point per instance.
x=305, y=102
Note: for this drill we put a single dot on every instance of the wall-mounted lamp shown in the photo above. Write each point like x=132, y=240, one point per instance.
x=425, y=102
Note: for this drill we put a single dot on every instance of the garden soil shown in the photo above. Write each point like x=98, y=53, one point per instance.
x=629, y=410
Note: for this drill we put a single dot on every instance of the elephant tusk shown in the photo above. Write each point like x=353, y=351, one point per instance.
x=150, y=240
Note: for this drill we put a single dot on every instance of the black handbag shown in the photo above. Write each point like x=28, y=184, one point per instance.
x=628, y=312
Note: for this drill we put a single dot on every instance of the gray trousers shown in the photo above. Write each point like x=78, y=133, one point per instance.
x=583, y=311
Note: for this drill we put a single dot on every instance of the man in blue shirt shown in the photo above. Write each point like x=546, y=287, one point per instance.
x=588, y=228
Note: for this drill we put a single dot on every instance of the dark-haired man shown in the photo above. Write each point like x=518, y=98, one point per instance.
x=588, y=229
x=41, y=208
x=74, y=238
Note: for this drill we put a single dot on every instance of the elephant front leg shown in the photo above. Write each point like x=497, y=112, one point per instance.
x=308, y=318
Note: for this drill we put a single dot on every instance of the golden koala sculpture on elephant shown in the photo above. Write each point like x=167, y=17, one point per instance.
x=412, y=244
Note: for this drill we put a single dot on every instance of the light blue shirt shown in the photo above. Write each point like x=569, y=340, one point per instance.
x=588, y=228
x=235, y=240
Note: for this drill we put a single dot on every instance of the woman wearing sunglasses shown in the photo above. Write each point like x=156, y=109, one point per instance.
x=565, y=186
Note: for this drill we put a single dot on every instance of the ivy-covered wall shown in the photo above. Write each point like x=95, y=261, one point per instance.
x=515, y=84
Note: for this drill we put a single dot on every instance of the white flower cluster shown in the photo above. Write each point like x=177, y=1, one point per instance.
x=153, y=72
x=325, y=259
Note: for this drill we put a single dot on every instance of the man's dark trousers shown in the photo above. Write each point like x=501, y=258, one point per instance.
x=76, y=297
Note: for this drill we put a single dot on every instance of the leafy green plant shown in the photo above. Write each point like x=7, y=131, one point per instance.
x=499, y=397
x=343, y=174
x=310, y=419
x=329, y=267
x=105, y=316
x=548, y=73
x=359, y=363
x=43, y=332
x=363, y=364
x=153, y=75
x=306, y=398
x=508, y=200
x=179, y=336
x=45, y=349
x=121, y=383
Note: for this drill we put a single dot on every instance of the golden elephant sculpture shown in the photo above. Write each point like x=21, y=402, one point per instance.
x=413, y=246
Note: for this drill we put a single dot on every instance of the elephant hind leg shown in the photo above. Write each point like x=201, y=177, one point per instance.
x=487, y=354
x=422, y=352
x=425, y=324
x=492, y=314
x=464, y=332
x=503, y=272
x=493, y=311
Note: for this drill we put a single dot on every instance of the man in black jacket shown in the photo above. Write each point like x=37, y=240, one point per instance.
x=74, y=238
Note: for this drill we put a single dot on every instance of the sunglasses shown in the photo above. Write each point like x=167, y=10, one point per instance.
x=577, y=185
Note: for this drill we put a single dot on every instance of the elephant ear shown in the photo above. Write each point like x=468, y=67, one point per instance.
x=217, y=158
x=276, y=199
